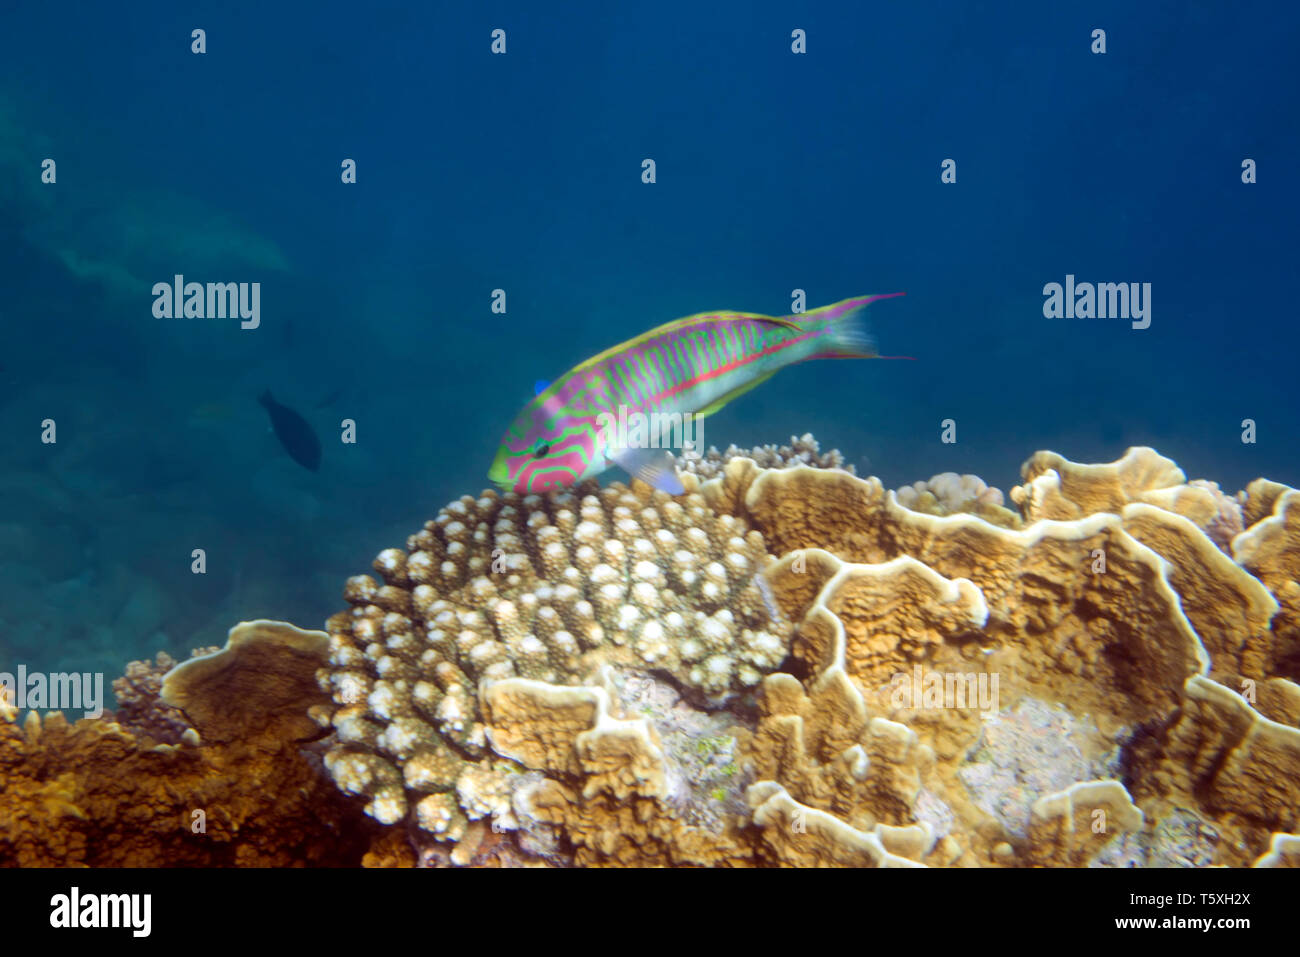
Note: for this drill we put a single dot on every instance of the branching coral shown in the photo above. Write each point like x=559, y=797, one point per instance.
x=139, y=708
x=500, y=598
x=804, y=450
x=948, y=492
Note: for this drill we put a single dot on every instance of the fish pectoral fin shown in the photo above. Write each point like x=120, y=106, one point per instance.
x=717, y=404
x=652, y=466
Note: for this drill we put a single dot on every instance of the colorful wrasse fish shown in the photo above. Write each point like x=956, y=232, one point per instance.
x=694, y=365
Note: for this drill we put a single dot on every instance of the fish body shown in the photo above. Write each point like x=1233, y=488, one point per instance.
x=295, y=434
x=694, y=365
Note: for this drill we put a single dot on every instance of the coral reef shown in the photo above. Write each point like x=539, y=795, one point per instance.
x=948, y=492
x=804, y=450
x=519, y=635
x=141, y=711
x=147, y=791
x=261, y=685
x=954, y=689
x=958, y=687
x=787, y=666
x=1118, y=606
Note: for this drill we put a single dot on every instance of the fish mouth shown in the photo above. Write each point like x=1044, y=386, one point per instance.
x=499, y=474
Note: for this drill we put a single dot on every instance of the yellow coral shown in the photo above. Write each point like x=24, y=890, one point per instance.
x=512, y=627
x=617, y=677
x=99, y=794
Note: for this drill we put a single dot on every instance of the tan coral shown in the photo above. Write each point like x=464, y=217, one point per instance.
x=139, y=708
x=261, y=683
x=605, y=779
x=1205, y=505
x=803, y=450
x=1283, y=851
x=615, y=676
x=1229, y=608
x=569, y=730
x=496, y=635
x=949, y=493
x=896, y=613
x=1259, y=499
x=1277, y=699
x=826, y=750
x=1072, y=826
x=513, y=629
x=1096, y=576
x=1058, y=618
x=96, y=793
x=1242, y=767
x=1270, y=549
x=605, y=782
x=1056, y=488
x=1100, y=604
x=797, y=836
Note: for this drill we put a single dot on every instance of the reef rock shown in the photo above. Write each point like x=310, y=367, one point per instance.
x=148, y=790
x=785, y=666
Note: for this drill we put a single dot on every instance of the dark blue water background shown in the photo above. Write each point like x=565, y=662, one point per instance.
x=776, y=172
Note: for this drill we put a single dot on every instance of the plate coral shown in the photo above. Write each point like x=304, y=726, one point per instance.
x=789, y=665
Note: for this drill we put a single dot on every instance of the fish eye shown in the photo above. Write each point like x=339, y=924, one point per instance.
x=542, y=449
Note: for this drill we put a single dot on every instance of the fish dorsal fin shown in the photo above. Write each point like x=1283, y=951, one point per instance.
x=683, y=323
x=652, y=466
x=718, y=403
x=787, y=321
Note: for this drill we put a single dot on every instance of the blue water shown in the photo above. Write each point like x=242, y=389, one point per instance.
x=775, y=172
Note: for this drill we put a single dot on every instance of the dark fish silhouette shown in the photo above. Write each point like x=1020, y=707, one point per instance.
x=298, y=438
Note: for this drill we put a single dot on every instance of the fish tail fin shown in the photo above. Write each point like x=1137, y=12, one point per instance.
x=847, y=334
